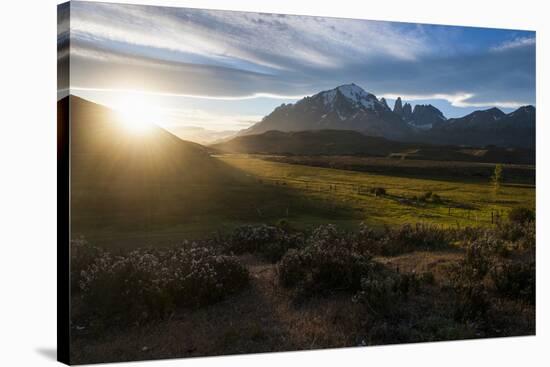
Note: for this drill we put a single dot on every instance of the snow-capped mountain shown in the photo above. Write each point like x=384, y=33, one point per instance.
x=347, y=107
x=353, y=94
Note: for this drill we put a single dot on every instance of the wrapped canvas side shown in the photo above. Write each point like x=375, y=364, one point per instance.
x=63, y=185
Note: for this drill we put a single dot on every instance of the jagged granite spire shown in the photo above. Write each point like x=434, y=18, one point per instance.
x=384, y=102
x=407, y=112
x=398, y=106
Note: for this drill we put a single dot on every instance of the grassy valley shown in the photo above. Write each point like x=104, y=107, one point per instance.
x=182, y=250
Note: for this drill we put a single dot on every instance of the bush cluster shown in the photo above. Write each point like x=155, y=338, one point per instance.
x=382, y=292
x=83, y=254
x=487, y=270
x=271, y=242
x=148, y=284
x=330, y=260
x=521, y=215
x=429, y=197
x=409, y=238
x=378, y=191
x=516, y=280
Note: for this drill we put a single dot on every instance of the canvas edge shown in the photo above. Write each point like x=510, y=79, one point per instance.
x=63, y=184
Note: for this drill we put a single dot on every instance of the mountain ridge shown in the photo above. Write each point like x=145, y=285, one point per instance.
x=353, y=143
x=349, y=107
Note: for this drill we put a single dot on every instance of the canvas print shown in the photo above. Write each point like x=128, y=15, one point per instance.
x=237, y=182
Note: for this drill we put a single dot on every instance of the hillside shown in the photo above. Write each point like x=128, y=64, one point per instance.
x=103, y=148
x=312, y=142
x=130, y=182
x=490, y=126
x=346, y=142
x=132, y=189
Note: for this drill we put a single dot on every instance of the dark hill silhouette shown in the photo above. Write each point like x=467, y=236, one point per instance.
x=125, y=182
x=311, y=142
x=103, y=150
x=347, y=142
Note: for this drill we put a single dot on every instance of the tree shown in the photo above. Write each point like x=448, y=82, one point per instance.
x=497, y=177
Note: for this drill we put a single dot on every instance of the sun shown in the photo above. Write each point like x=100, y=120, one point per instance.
x=137, y=114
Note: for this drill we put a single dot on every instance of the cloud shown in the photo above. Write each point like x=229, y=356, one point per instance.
x=167, y=94
x=233, y=56
x=270, y=41
x=516, y=42
x=456, y=100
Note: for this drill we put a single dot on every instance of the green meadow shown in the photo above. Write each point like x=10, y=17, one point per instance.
x=255, y=190
x=462, y=202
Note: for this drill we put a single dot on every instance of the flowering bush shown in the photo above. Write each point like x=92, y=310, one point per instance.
x=521, y=215
x=382, y=292
x=146, y=284
x=516, y=280
x=82, y=256
x=487, y=269
x=268, y=241
x=330, y=260
x=410, y=238
x=520, y=236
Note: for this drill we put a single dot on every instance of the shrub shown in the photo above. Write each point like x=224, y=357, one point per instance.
x=427, y=195
x=485, y=260
x=430, y=197
x=477, y=260
x=83, y=256
x=427, y=278
x=516, y=280
x=268, y=241
x=519, y=235
x=148, y=284
x=329, y=261
x=411, y=238
x=369, y=240
x=472, y=302
x=378, y=191
x=382, y=292
x=521, y=215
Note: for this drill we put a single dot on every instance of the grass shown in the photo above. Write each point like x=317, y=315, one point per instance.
x=256, y=190
x=268, y=317
x=464, y=203
x=173, y=211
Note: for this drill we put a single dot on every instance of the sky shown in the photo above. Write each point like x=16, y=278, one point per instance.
x=223, y=70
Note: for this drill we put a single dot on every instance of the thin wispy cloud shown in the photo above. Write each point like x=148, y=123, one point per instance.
x=517, y=42
x=164, y=94
x=456, y=100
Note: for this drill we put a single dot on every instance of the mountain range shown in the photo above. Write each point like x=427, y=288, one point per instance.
x=349, y=107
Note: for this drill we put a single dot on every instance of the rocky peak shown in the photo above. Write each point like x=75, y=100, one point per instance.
x=426, y=116
x=407, y=112
x=384, y=102
x=398, y=106
x=353, y=94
